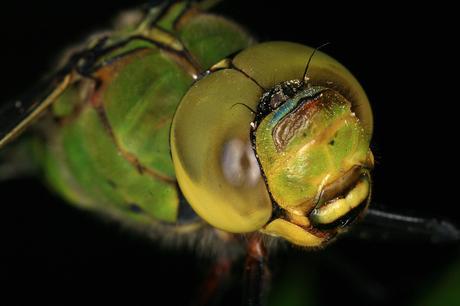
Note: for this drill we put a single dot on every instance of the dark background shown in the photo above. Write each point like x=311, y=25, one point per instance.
x=403, y=54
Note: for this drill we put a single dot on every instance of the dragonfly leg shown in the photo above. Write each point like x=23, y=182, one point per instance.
x=382, y=224
x=215, y=282
x=256, y=273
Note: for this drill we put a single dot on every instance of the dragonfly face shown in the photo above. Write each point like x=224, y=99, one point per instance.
x=407, y=189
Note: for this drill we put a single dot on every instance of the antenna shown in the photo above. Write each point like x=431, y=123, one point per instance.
x=311, y=56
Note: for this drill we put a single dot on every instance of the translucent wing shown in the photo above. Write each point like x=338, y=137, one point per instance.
x=16, y=115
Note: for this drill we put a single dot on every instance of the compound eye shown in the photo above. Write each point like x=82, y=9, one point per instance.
x=212, y=153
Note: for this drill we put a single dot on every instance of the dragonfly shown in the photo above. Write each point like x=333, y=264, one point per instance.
x=386, y=128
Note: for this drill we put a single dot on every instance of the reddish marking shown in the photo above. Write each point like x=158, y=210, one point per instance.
x=256, y=247
x=104, y=77
x=314, y=105
x=256, y=273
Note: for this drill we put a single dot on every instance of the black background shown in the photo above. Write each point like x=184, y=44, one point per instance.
x=404, y=55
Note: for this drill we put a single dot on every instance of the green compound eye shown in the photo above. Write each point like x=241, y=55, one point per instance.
x=307, y=146
x=212, y=153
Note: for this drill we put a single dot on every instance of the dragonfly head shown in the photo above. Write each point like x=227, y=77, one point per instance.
x=298, y=168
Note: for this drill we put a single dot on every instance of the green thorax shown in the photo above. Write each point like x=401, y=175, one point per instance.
x=111, y=151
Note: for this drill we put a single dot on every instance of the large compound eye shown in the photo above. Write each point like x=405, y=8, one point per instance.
x=213, y=157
